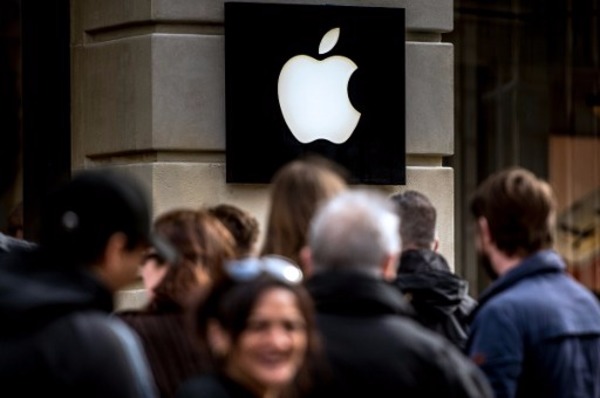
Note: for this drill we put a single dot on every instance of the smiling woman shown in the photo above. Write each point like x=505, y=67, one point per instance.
x=261, y=334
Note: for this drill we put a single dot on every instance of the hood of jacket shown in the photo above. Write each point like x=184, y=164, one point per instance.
x=351, y=293
x=421, y=260
x=33, y=293
x=439, y=289
x=424, y=276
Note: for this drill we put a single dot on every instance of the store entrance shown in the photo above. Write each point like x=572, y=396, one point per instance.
x=35, y=127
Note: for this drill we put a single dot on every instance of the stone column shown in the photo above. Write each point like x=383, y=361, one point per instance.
x=148, y=96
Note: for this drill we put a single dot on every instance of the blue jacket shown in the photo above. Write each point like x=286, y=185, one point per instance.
x=536, y=332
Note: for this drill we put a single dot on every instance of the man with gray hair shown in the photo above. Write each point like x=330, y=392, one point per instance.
x=372, y=346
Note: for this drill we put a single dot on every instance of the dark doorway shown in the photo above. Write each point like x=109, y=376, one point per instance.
x=34, y=105
x=527, y=84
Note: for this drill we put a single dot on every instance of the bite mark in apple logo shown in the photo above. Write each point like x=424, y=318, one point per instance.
x=313, y=95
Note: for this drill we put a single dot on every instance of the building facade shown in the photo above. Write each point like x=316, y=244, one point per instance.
x=139, y=85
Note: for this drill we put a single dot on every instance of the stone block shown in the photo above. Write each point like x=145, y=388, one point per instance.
x=429, y=99
x=113, y=104
x=421, y=15
x=188, y=96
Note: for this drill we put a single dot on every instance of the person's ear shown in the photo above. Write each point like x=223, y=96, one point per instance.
x=485, y=234
x=306, y=261
x=436, y=244
x=389, y=267
x=218, y=339
x=110, y=265
x=484, y=239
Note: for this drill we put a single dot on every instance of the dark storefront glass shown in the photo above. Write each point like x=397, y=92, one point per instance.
x=527, y=86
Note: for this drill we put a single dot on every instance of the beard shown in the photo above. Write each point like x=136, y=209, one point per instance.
x=484, y=262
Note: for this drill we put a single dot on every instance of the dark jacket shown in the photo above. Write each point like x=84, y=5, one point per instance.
x=213, y=386
x=439, y=297
x=167, y=337
x=58, y=339
x=375, y=350
x=536, y=332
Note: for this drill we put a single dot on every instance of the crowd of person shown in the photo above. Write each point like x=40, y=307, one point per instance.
x=346, y=296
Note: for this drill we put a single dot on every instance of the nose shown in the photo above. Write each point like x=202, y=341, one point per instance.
x=280, y=338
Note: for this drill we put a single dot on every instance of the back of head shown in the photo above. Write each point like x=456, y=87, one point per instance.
x=355, y=230
x=418, y=215
x=297, y=190
x=203, y=245
x=79, y=217
x=520, y=210
x=242, y=225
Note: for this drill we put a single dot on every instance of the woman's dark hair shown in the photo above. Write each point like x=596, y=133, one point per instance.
x=244, y=227
x=231, y=303
x=201, y=241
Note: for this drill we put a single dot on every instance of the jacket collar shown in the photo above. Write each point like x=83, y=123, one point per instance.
x=436, y=288
x=351, y=293
x=542, y=262
x=421, y=260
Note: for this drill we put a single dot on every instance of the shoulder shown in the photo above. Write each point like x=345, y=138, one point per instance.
x=155, y=326
x=96, y=335
x=99, y=351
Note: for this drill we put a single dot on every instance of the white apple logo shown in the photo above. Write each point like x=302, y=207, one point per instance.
x=313, y=95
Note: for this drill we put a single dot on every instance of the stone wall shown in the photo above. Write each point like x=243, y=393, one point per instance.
x=148, y=96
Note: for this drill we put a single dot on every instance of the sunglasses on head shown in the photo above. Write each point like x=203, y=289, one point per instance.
x=279, y=267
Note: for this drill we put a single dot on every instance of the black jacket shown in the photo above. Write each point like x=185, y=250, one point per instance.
x=58, y=339
x=375, y=350
x=213, y=386
x=440, y=298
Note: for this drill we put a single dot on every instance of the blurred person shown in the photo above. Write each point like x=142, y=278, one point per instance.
x=373, y=346
x=439, y=297
x=202, y=245
x=10, y=244
x=297, y=190
x=243, y=226
x=259, y=326
x=57, y=337
x=13, y=240
x=536, y=331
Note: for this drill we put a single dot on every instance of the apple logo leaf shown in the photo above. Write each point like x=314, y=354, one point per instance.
x=329, y=40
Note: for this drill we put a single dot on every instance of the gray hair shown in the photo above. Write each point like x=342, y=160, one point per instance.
x=356, y=229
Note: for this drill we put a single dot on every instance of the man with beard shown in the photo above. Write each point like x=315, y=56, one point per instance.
x=440, y=298
x=536, y=331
